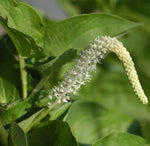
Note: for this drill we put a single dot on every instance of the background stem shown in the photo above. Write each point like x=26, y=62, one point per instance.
x=40, y=85
x=23, y=77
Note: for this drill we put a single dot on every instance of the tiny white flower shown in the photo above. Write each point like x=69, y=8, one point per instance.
x=50, y=97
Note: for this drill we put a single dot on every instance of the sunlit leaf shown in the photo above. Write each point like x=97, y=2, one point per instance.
x=24, y=26
x=77, y=32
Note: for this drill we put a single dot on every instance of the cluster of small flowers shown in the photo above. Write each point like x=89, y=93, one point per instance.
x=113, y=45
x=80, y=72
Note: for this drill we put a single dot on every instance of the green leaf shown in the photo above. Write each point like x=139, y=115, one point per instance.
x=146, y=130
x=54, y=133
x=89, y=119
x=24, y=124
x=77, y=32
x=17, y=136
x=24, y=107
x=58, y=112
x=121, y=139
x=24, y=26
x=21, y=108
x=9, y=81
x=28, y=107
x=16, y=111
x=3, y=135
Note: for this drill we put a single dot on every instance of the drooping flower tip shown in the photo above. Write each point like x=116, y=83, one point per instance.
x=144, y=100
x=113, y=45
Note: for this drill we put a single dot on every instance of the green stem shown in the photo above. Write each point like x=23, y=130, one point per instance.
x=23, y=77
x=41, y=116
x=3, y=135
x=40, y=85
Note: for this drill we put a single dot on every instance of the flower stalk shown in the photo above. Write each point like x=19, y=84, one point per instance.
x=80, y=73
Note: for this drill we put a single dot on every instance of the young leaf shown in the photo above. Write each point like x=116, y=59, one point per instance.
x=54, y=133
x=121, y=139
x=17, y=136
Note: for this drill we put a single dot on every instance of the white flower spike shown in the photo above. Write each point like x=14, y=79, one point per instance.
x=80, y=72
